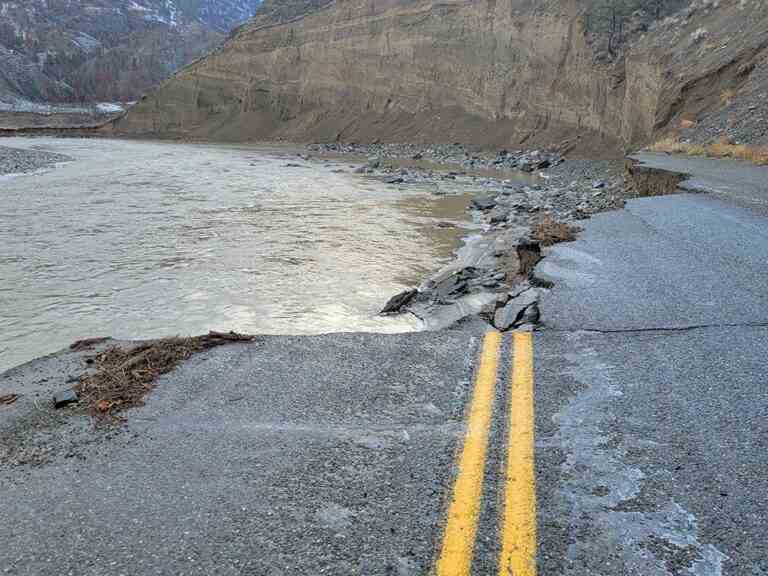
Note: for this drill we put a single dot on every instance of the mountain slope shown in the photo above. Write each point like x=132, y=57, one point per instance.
x=75, y=50
x=492, y=72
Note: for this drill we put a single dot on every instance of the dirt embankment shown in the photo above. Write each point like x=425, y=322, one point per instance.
x=710, y=62
x=509, y=73
x=642, y=181
x=79, y=118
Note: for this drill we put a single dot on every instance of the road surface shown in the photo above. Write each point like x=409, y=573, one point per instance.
x=643, y=399
x=651, y=385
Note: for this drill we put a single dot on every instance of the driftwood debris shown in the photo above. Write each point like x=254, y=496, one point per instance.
x=123, y=375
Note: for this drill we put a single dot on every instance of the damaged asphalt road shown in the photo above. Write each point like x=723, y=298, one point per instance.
x=308, y=455
x=652, y=413
x=337, y=454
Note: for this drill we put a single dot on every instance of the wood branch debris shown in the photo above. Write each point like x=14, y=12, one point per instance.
x=123, y=375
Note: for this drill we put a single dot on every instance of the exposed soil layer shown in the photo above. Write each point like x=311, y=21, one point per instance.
x=548, y=231
x=11, y=121
x=397, y=71
x=641, y=181
x=363, y=71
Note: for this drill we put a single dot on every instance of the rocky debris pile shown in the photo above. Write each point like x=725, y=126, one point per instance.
x=742, y=117
x=453, y=154
x=18, y=161
x=515, y=204
x=409, y=175
x=493, y=275
x=570, y=190
x=519, y=214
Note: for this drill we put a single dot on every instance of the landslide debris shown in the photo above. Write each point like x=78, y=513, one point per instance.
x=123, y=375
x=519, y=215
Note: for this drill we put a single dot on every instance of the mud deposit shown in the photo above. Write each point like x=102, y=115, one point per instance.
x=144, y=240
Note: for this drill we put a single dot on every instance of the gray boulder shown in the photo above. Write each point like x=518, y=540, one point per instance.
x=399, y=301
x=513, y=313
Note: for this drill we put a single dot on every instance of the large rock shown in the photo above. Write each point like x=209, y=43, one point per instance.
x=437, y=316
x=514, y=312
x=396, y=304
x=499, y=214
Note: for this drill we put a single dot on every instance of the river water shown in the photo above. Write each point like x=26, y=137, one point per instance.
x=143, y=239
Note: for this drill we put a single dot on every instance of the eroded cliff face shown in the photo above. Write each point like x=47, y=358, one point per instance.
x=488, y=72
x=497, y=72
x=701, y=74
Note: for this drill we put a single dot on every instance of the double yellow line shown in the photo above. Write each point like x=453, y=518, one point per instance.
x=518, y=519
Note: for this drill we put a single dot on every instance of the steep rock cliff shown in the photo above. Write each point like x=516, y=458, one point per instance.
x=489, y=72
x=492, y=72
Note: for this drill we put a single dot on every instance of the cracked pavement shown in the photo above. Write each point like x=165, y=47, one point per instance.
x=336, y=454
x=652, y=401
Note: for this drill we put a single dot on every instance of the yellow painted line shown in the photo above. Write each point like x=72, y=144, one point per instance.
x=518, y=528
x=461, y=526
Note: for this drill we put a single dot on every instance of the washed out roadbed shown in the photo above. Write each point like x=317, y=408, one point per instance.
x=62, y=405
x=524, y=201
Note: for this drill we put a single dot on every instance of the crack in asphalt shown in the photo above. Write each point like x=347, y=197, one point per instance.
x=761, y=324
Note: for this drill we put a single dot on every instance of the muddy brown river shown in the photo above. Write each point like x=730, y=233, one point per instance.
x=144, y=239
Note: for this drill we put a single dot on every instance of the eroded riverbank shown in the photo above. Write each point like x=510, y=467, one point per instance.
x=523, y=202
x=162, y=239
x=395, y=230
